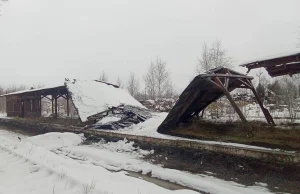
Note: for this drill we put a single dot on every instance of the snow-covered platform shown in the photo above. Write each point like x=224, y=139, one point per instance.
x=145, y=133
x=241, y=150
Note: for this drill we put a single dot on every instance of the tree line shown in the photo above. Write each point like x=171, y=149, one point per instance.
x=157, y=79
x=157, y=82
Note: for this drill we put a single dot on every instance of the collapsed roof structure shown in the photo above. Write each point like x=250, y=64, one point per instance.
x=205, y=89
x=277, y=65
x=94, y=98
x=106, y=105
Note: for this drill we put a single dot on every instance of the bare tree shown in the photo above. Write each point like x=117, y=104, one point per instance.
x=290, y=93
x=162, y=77
x=103, y=77
x=1, y=90
x=1, y=2
x=119, y=83
x=157, y=79
x=133, y=85
x=213, y=56
x=169, y=89
x=2, y=101
x=14, y=88
x=151, y=82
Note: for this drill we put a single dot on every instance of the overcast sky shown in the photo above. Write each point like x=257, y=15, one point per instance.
x=44, y=41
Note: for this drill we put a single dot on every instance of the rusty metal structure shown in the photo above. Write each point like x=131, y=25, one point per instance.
x=284, y=64
x=205, y=89
x=27, y=103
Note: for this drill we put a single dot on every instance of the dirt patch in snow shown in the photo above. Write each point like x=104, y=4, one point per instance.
x=246, y=171
x=278, y=137
x=249, y=172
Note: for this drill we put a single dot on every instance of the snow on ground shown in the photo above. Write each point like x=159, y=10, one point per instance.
x=56, y=140
x=92, y=97
x=3, y=115
x=74, y=168
x=149, y=129
x=11, y=135
x=110, y=157
x=123, y=146
x=27, y=168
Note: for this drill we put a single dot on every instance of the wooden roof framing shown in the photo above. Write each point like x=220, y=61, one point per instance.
x=284, y=64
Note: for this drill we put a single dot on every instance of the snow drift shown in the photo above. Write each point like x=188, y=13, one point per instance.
x=55, y=140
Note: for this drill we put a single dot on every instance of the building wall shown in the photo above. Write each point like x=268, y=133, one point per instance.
x=14, y=106
x=2, y=104
x=32, y=108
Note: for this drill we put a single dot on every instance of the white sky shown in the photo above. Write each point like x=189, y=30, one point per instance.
x=44, y=41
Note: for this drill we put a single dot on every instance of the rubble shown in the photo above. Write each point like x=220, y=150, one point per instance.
x=120, y=117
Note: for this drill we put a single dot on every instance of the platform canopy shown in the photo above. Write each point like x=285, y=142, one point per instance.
x=42, y=91
x=28, y=103
x=205, y=89
x=287, y=63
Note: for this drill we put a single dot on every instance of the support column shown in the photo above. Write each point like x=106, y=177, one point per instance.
x=264, y=110
x=52, y=105
x=22, y=109
x=55, y=104
x=234, y=105
x=68, y=109
x=267, y=115
x=40, y=106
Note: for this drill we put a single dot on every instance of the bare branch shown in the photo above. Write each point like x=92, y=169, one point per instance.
x=103, y=77
x=162, y=76
x=119, y=83
x=151, y=82
x=133, y=85
x=157, y=79
x=212, y=57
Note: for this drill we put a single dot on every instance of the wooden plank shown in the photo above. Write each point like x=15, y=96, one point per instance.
x=234, y=105
x=52, y=105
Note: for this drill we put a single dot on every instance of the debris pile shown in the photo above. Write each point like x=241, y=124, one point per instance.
x=94, y=97
x=160, y=104
x=120, y=117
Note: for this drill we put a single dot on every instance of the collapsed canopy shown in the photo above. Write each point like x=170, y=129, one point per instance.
x=202, y=91
x=92, y=97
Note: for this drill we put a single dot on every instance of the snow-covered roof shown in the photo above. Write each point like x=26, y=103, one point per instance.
x=92, y=97
x=293, y=52
x=32, y=90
